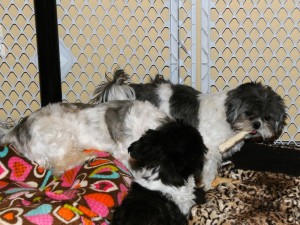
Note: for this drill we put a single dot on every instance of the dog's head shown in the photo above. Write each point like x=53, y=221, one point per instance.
x=256, y=108
x=175, y=151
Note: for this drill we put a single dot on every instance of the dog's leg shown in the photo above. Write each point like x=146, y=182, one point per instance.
x=210, y=168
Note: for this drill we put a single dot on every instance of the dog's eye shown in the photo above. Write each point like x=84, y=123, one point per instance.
x=248, y=113
x=267, y=117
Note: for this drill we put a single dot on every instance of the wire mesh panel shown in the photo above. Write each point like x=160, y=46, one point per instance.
x=143, y=37
x=19, y=83
x=187, y=43
x=257, y=40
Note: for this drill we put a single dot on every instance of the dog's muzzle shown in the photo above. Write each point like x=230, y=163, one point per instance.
x=256, y=125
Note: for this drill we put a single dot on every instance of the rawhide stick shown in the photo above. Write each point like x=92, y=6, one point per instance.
x=221, y=180
x=232, y=141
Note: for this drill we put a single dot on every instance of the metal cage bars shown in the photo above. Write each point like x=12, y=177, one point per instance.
x=49, y=61
x=48, y=51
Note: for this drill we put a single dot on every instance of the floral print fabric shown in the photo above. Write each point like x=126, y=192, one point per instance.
x=84, y=194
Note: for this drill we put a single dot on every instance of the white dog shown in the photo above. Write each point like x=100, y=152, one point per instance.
x=56, y=135
x=250, y=107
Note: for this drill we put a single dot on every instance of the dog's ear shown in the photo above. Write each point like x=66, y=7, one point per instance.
x=279, y=125
x=138, y=149
x=277, y=111
x=170, y=173
x=175, y=169
x=184, y=156
x=232, y=108
x=236, y=97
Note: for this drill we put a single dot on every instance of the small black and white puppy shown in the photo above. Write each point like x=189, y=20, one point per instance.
x=250, y=107
x=162, y=192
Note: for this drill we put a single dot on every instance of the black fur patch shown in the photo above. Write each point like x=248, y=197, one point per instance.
x=146, y=92
x=145, y=207
x=184, y=104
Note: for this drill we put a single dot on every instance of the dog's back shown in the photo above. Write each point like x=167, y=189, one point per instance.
x=176, y=100
x=62, y=129
x=146, y=207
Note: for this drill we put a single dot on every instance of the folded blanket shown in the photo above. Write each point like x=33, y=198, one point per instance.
x=84, y=194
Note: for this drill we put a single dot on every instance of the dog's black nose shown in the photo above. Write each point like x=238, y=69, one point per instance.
x=256, y=124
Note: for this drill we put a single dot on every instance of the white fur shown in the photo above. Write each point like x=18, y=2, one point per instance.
x=164, y=91
x=212, y=109
x=214, y=133
x=182, y=196
x=58, y=134
x=121, y=93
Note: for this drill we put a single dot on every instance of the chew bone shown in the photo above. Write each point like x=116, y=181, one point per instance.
x=220, y=180
x=232, y=141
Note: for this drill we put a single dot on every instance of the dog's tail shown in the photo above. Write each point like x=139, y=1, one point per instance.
x=117, y=88
x=159, y=79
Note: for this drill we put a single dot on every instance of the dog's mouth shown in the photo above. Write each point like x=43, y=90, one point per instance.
x=257, y=136
x=253, y=132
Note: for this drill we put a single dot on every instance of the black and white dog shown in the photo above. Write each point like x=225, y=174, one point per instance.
x=162, y=192
x=250, y=107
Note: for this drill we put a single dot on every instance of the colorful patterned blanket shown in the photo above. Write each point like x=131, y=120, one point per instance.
x=86, y=194
x=83, y=195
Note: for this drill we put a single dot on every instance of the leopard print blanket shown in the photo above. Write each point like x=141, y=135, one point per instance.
x=250, y=197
